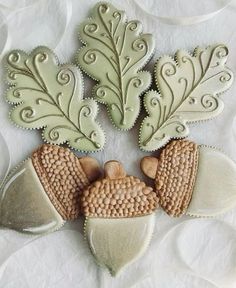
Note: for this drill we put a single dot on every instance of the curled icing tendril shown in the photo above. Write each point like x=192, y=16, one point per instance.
x=154, y=101
x=16, y=93
x=223, y=51
x=90, y=28
x=219, y=53
x=140, y=45
x=180, y=128
x=137, y=82
x=209, y=102
x=225, y=78
x=149, y=125
x=12, y=75
x=133, y=25
x=86, y=111
x=117, y=15
x=54, y=134
x=27, y=114
x=170, y=69
x=103, y=8
x=93, y=134
x=192, y=100
x=41, y=57
x=102, y=91
x=90, y=56
x=185, y=59
x=64, y=76
x=13, y=57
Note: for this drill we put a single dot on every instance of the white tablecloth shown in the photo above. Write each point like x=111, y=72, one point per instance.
x=184, y=252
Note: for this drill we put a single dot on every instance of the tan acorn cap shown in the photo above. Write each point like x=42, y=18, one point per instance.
x=118, y=195
x=64, y=177
x=174, y=173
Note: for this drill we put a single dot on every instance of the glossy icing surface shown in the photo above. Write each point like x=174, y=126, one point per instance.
x=116, y=243
x=215, y=186
x=115, y=52
x=50, y=96
x=189, y=87
x=24, y=204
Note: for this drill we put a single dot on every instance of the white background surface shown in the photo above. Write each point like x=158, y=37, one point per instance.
x=184, y=252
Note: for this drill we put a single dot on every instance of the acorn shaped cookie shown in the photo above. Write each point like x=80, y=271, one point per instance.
x=190, y=179
x=45, y=190
x=119, y=217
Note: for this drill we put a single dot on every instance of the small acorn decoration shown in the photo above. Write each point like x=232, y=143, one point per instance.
x=45, y=190
x=191, y=179
x=120, y=217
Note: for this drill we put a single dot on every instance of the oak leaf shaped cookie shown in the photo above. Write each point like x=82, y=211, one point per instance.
x=189, y=87
x=49, y=95
x=115, y=52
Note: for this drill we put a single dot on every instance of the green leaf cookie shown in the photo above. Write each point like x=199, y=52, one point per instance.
x=49, y=95
x=189, y=87
x=115, y=52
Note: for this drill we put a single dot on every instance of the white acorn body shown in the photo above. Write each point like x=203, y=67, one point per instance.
x=120, y=217
x=27, y=208
x=116, y=243
x=214, y=191
x=45, y=190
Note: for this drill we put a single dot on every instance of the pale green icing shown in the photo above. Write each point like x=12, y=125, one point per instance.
x=51, y=96
x=215, y=187
x=189, y=87
x=25, y=205
x=118, y=242
x=115, y=51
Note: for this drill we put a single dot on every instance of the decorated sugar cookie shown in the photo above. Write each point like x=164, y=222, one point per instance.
x=119, y=212
x=115, y=51
x=189, y=87
x=45, y=190
x=48, y=95
x=192, y=179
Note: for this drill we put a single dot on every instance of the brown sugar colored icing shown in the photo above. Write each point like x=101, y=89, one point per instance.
x=118, y=208
x=46, y=190
x=119, y=197
x=63, y=178
x=192, y=179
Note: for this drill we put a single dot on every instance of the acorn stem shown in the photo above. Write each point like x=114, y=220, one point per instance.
x=114, y=170
x=91, y=168
x=149, y=166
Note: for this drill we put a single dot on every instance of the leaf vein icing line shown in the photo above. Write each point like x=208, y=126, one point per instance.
x=117, y=57
x=91, y=28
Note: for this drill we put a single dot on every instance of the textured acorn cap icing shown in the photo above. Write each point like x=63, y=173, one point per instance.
x=118, y=195
x=64, y=177
x=175, y=175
